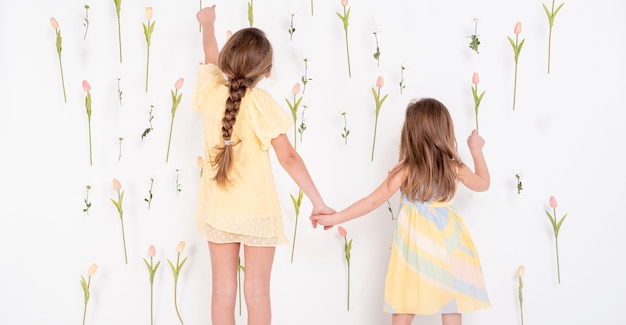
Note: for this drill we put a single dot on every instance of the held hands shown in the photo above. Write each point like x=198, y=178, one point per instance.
x=326, y=220
x=206, y=16
x=321, y=212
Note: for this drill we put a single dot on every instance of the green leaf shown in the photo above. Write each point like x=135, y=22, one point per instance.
x=156, y=266
x=182, y=263
x=480, y=98
x=556, y=11
x=546, y=10
x=147, y=265
x=558, y=226
x=172, y=266
x=551, y=220
x=512, y=43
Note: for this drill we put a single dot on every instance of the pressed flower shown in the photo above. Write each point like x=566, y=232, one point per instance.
x=179, y=83
x=54, y=23
x=520, y=274
x=181, y=247
x=344, y=19
x=474, y=41
x=176, y=270
x=477, y=98
x=176, y=97
x=517, y=48
x=116, y=184
x=152, y=268
x=380, y=82
x=296, y=204
x=149, y=198
x=294, y=109
x=86, y=285
x=556, y=227
x=553, y=203
x=87, y=89
x=59, y=45
x=92, y=269
x=346, y=248
x=342, y=231
x=518, y=28
x=345, y=132
x=551, y=15
x=118, y=205
x=147, y=32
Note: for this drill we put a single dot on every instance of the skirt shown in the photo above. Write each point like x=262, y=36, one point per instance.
x=434, y=267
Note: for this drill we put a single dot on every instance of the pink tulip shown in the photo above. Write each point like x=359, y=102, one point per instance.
x=228, y=34
x=181, y=246
x=116, y=184
x=475, y=78
x=380, y=82
x=344, y=2
x=54, y=23
x=342, y=231
x=151, y=251
x=86, y=86
x=148, y=13
x=296, y=88
x=179, y=83
x=518, y=28
x=553, y=202
x=92, y=269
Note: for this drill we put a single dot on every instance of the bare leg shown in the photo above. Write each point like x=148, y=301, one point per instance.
x=451, y=319
x=224, y=282
x=258, y=263
x=402, y=319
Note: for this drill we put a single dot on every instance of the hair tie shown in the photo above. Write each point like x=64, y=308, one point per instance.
x=227, y=142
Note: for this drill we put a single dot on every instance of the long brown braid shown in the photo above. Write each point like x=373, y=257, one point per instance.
x=245, y=59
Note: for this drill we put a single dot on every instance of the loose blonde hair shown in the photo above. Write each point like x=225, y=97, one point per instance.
x=428, y=152
x=245, y=58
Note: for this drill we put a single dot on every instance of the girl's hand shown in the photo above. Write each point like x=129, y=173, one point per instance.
x=322, y=211
x=475, y=141
x=206, y=16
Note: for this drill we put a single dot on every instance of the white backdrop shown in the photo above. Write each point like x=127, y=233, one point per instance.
x=564, y=138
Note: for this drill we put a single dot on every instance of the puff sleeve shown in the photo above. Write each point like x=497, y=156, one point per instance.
x=267, y=118
x=210, y=77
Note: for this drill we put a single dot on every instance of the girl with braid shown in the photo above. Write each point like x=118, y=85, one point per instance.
x=238, y=203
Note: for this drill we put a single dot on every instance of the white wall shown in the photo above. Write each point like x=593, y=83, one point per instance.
x=565, y=137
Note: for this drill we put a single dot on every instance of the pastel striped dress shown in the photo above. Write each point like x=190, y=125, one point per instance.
x=434, y=267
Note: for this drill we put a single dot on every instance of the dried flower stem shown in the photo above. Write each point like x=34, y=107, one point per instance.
x=291, y=29
x=87, y=203
x=474, y=42
x=402, y=85
x=149, y=129
x=119, y=156
x=304, y=78
x=377, y=53
x=178, y=189
x=119, y=92
x=86, y=23
x=302, y=126
x=346, y=132
x=149, y=198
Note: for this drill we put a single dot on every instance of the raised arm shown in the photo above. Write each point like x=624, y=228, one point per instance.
x=477, y=180
x=206, y=18
x=293, y=164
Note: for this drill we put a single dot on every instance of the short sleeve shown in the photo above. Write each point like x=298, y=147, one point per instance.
x=210, y=77
x=267, y=117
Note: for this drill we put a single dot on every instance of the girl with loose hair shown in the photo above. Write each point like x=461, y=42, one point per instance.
x=238, y=203
x=434, y=266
